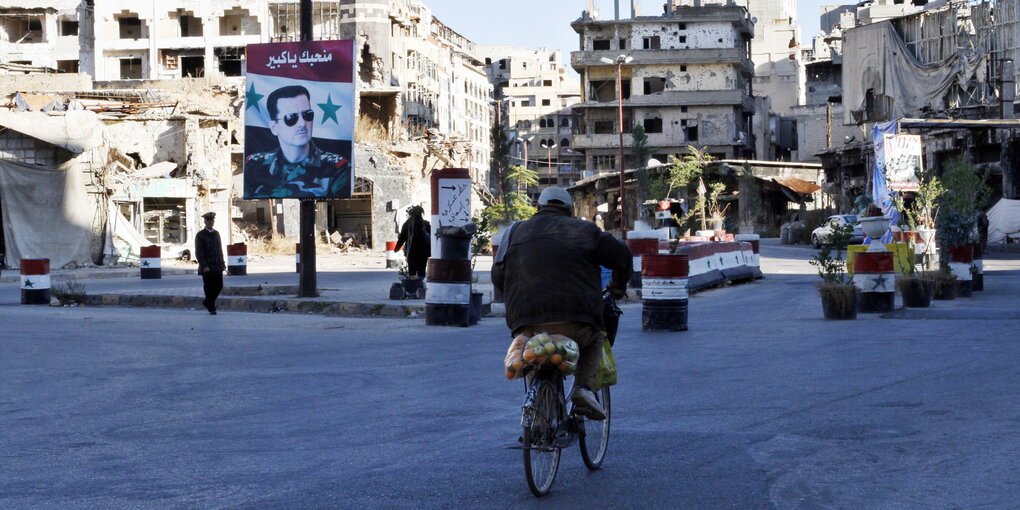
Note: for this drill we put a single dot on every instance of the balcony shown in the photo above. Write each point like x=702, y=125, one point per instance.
x=674, y=98
x=688, y=56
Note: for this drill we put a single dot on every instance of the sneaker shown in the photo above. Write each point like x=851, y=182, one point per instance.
x=586, y=405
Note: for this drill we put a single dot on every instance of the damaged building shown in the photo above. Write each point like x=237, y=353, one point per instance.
x=534, y=97
x=689, y=82
x=945, y=70
x=423, y=97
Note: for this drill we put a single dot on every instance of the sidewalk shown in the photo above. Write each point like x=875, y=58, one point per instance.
x=349, y=286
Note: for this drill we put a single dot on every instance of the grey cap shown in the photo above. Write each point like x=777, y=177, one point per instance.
x=555, y=193
x=209, y=215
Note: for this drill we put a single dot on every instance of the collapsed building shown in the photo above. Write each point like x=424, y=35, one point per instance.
x=423, y=103
x=945, y=70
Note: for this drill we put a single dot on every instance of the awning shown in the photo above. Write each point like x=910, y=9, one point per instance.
x=797, y=185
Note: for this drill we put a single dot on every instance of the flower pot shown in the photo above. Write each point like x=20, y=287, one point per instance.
x=839, y=302
x=917, y=293
x=875, y=227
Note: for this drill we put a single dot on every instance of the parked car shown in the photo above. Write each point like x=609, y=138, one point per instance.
x=820, y=235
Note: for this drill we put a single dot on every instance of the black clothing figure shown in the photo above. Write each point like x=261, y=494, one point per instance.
x=209, y=254
x=415, y=238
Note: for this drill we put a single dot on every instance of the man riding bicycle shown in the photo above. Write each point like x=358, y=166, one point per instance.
x=548, y=270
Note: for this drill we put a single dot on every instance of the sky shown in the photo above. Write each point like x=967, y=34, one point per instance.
x=546, y=23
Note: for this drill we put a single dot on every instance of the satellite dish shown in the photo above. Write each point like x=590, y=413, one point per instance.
x=754, y=20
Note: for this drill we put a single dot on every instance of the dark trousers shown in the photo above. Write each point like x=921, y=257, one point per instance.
x=212, y=284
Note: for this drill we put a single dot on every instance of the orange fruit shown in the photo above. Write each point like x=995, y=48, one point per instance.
x=555, y=359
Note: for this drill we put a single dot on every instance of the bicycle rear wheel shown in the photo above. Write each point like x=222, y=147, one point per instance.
x=595, y=439
x=541, y=457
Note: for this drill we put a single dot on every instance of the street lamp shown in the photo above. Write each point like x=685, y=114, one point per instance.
x=620, y=61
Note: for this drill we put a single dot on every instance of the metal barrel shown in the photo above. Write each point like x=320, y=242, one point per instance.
x=35, y=281
x=664, y=294
x=960, y=260
x=448, y=292
x=875, y=276
x=149, y=261
x=237, y=259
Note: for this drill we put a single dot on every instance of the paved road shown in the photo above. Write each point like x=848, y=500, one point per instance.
x=762, y=404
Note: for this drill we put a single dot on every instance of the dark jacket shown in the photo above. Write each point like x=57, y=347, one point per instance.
x=414, y=238
x=551, y=272
x=209, y=251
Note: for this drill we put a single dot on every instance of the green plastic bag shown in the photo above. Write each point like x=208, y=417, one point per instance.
x=605, y=375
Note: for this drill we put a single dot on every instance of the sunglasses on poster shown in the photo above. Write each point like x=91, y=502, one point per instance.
x=291, y=118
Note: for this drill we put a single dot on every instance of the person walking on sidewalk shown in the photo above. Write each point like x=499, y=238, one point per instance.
x=209, y=253
x=414, y=237
x=548, y=270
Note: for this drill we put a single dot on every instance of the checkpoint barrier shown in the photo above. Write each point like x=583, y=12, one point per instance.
x=237, y=259
x=392, y=257
x=639, y=247
x=755, y=260
x=664, y=294
x=448, y=292
x=35, y=281
x=979, y=268
x=960, y=260
x=875, y=277
x=149, y=260
x=715, y=263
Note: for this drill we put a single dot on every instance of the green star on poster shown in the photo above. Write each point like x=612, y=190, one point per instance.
x=252, y=98
x=329, y=110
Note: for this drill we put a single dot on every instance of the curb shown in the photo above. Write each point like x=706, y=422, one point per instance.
x=114, y=273
x=246, y=304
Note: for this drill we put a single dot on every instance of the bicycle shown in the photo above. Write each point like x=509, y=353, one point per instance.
x=550, y=424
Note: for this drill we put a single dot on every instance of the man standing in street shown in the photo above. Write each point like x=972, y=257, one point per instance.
x=209, y=254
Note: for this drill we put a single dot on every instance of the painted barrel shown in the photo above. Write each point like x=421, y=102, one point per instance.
x=237, y=259
x=639, y=247
x=297, y=257
x=979, y=268
x=960, y=260
x=35, y=281
x=392, y=257
x=149, y=261
x=755, y=259
x=875, y=277
x=664, y=294
x=448, y=292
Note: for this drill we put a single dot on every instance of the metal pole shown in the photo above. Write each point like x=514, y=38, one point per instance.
x=623, y=191
x=307, y=286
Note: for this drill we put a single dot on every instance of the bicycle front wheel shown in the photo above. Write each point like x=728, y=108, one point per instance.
x=541, y=456
x=595, y=439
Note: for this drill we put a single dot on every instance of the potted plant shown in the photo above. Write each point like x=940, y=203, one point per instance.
x=839, y=295
x=956, y=224
x=944, y=284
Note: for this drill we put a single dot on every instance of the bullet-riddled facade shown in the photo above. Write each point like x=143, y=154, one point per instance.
x=689, y=83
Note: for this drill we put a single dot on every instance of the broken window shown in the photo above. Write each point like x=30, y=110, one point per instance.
x=654, y=85
x=191, y=26
x=238, y=21
x=231, y=60
x=547, y=83
x=683, y=39
x=131, y=27
x=502, y=64
x=605, y=90
x=164, y=220
x=603, y=127
x=21, y=29
x=683, y=69
x=683, y=26
x=131, y=69
x=604, y=162
x=547, y=102
x=692, y=133
x=565, y=142
x=651, y=43
x=600, y=44
x=653, y=125
x=68, y=27
x=623, y=44
x=67, y=66
x=193, y=66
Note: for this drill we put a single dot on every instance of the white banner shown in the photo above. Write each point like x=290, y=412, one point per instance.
x=903, y=161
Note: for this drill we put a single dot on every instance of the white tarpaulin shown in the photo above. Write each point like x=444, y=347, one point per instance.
x=876, y=58
x=1003, y=219
x=76, y=131
x=46, y=213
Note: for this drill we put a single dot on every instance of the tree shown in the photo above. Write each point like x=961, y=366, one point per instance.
x=685, y=170
x=640, y=151
x=500, y=160
x=514, y=203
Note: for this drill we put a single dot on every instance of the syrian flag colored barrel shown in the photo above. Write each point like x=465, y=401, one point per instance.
x=35, y=281
x=150, y=262
x=448, y=292
x=960, y=260
x=874, y=275
x=664, y=293
x=979, y=268
x=392, y=257
x=237, y=259
x=639, y=247
x=297, y=257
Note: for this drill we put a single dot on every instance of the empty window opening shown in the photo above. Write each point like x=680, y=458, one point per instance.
x=238, y=21
x=68, y=27
x=231, y=60
x=651, y=43
x=683, y=39
x=655, y=85
x=683, y=26
x=67, y=66
x=547, y=102
x=502, y=64
x=600, y=44
x=603, y=127
x=547, y=83
x=604, y=162
x=193, y=66
x=564, y=122
x=683, y=69
x=653, y=125
x=21, y=29
x=683, y=109
x=623, y=44
x=605, y=90
x=565, y=142
x=692, y=133
x=131, y=69
x=164, y=220
x=541, y=123
x=190, y=25
x=131, y=27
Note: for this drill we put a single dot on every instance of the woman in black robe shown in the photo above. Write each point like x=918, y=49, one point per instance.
x=414, y=238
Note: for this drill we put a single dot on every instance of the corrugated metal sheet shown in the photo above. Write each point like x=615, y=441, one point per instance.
x=798, y=185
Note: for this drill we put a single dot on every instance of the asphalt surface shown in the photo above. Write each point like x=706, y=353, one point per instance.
x=761, y=404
